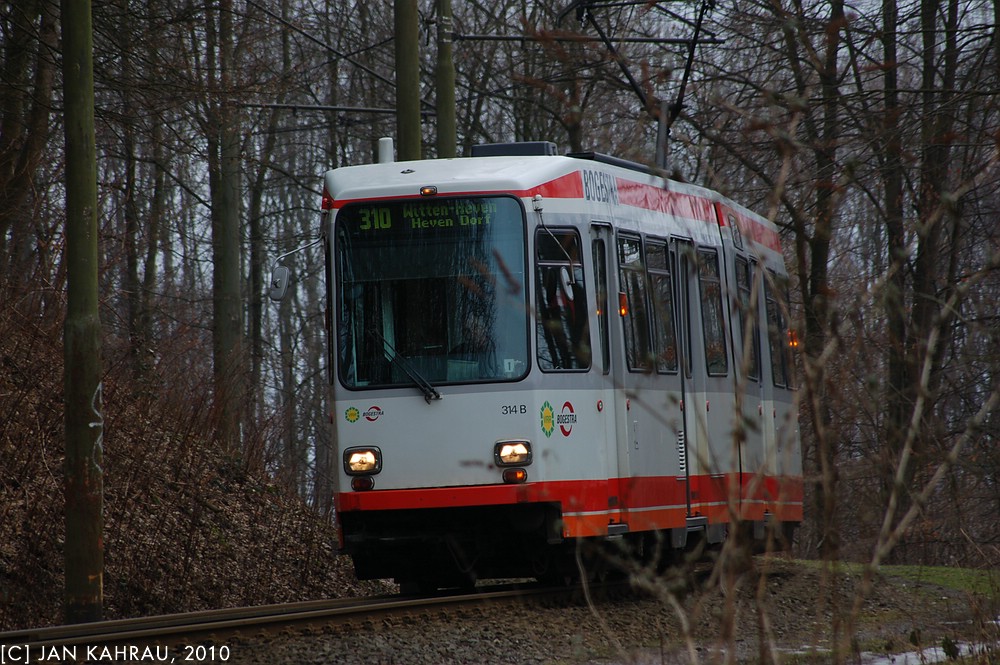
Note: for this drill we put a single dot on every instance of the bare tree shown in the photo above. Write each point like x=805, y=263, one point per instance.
x=29, y=40
x=850, y=141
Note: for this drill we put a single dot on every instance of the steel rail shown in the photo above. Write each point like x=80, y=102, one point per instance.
x=217, y=625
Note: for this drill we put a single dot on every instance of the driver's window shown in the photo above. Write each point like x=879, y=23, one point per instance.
x=562, y=329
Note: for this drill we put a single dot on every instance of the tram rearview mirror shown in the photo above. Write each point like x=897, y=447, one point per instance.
x=280, y=276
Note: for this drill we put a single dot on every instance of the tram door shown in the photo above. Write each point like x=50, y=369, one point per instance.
x=608, y=365
x=714, y=461
x=745, y=315
x=648, y=384
x=683, y=261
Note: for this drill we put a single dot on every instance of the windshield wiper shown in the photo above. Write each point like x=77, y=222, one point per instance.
x=429, y=391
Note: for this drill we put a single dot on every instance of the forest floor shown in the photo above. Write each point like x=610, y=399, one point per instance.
x=187, y=526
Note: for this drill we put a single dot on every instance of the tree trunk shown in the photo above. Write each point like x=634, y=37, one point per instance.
x=154, y=230
x=817, y=301
x=24, y=130
x=813, y=256
x=290, y=441
x=130, y=278
x=254, y=452
x=894, y=301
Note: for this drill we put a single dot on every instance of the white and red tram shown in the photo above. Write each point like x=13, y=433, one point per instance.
x=529, y=349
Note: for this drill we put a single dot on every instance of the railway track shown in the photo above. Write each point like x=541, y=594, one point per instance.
x=206, y=636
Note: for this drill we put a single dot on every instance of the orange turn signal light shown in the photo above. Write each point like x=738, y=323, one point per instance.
x=513, y=476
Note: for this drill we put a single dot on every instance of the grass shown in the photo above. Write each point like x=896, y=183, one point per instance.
x=981, y=584
x=985, y=583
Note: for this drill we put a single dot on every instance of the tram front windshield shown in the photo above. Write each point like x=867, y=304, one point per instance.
x=431, y=290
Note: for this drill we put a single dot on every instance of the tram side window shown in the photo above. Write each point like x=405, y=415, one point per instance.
x=710, y=289
x=562, y=329
x=745, y=273
x=635, y=318
x=601, y=284
x=778, y=339
x=331, y=346
x=663, y=306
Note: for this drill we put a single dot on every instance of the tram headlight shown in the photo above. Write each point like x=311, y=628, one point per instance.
x=362, y=461
x=512, y=453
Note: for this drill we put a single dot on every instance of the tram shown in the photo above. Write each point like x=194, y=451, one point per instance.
x=529, y=350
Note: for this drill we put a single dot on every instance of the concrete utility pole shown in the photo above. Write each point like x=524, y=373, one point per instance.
x=408, y=137
x=84, y=490
x=228, y=360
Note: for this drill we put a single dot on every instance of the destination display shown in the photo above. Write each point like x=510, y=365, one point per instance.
x=421, y=215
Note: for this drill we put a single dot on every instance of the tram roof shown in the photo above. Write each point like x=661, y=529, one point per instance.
x=462, y=175
x=521, y=175
x=582, y=177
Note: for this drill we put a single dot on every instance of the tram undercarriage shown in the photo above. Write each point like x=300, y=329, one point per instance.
x=427, y=549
